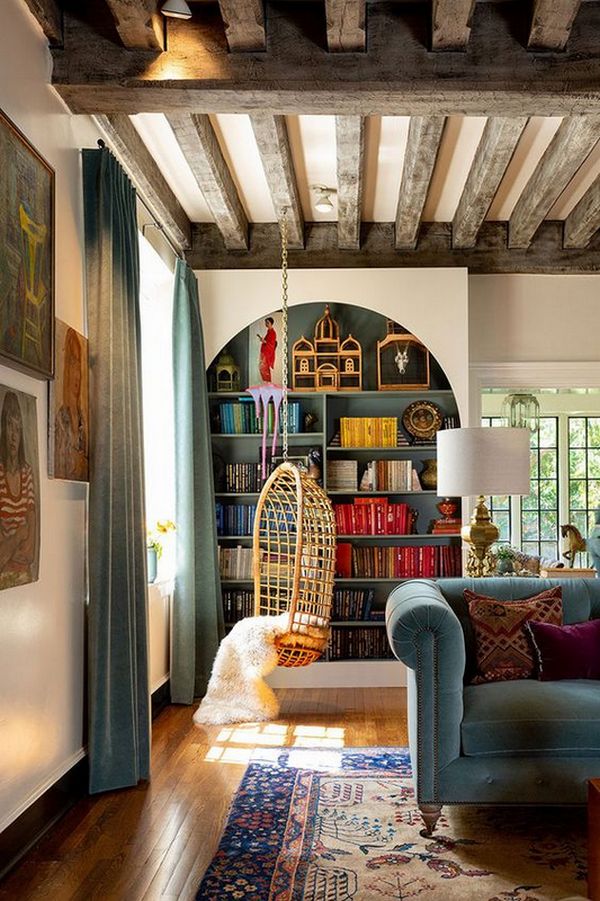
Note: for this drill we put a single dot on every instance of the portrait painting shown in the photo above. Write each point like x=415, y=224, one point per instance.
x=26, y=255
x=19, y=489
x=264, y=350
x=68, y=419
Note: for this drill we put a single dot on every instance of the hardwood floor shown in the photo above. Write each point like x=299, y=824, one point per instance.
x=155, y=841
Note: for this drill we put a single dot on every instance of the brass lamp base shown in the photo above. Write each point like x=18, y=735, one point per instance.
x=480, y=535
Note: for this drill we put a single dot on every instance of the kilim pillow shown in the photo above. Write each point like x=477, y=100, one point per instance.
x=503, y=648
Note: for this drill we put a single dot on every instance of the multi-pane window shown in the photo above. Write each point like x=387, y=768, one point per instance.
x=584, y=471
x=531, y=522
x=539, y=510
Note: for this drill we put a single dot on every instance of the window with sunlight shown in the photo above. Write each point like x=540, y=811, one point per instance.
x=156, y=308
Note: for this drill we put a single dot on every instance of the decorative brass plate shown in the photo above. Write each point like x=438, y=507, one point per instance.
x=422, y=419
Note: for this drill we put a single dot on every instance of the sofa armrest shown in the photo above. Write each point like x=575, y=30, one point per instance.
x=425, y=634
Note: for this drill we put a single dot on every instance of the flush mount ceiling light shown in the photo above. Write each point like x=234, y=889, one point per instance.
x=521, y=410
x=176, y=9
x=323, y=203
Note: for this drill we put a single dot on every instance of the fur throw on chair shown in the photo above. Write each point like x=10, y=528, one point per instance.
x=237, y=691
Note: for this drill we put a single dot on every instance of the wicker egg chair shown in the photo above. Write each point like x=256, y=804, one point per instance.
x=294, y=562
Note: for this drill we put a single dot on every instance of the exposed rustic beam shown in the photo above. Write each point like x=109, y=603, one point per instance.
x=274, y=147
x=139, y=23
x=130, y=150
x=397, y=75
x=49, y=16
x=490, y=254
x=424, y=136
x=584, y=219
x=350, y=141
x=564, y=155
x=201, y=149
x=244, y=24
x=451, y=24
x=551, y=23
x=346, y=25
x=496, y=147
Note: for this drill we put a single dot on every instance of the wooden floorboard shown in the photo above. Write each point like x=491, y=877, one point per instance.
x=153, y=842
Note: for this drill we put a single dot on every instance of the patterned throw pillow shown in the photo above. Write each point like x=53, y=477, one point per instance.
x=503, y=647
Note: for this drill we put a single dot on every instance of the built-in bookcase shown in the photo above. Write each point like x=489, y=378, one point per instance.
x=358, y=629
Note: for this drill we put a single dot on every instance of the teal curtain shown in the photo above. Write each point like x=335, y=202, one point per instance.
x=119, y=709
x=197, y=608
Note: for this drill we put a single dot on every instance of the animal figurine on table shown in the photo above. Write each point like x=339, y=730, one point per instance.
x=575, y=543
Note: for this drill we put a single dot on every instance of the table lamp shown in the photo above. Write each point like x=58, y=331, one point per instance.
x=475, y=463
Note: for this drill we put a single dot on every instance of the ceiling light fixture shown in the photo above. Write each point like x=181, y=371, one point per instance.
x=324, y=203
x=176, y=9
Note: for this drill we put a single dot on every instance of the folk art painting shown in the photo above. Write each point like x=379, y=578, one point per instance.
x=26, y=255
x=68, y=420
x=264, y=357
x=19, y=489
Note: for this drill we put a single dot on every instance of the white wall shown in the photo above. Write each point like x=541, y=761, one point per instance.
x=432, y=303
x=41, y=625
x=534, y=318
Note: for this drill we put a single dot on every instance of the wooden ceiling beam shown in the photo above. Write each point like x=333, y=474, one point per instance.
x=346, y=25
x=125, y=142
x=568, y=149
x=244, y=24
x=424, y=137
x=491, y=254
x=451, y=24
x=201, y=149
x=350, y=142
x=49, y=16
x=583, y=221
x=551, y=23
x=496, y=147
x=397, y=75
x=274, y=147
x=139, y=23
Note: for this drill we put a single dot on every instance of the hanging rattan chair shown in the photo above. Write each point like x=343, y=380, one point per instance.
x=294, y=562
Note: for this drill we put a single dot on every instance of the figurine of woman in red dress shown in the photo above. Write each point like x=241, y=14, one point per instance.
x=268, y=345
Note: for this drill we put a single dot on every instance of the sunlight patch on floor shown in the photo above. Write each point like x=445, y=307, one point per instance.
x=235, y=744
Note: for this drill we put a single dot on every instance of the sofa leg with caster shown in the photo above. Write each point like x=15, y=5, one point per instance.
x=431, y=814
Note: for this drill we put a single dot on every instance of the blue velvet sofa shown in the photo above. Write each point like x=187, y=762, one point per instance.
x=520, y=742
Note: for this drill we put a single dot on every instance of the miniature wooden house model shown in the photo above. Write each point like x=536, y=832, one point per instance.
x=402, y=361
x=326, y=363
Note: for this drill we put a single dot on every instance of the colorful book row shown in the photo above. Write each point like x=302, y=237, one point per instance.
x=239, y=418
x=235, y=519
x=245, y=476
x=359, y=643
x=235, y=562
x=369, y=431
x=373, y=516
x=408, y=562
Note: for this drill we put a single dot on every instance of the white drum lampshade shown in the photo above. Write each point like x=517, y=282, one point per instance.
x=477, y=462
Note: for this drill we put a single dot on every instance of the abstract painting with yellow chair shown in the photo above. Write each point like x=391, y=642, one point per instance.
x=26, y=255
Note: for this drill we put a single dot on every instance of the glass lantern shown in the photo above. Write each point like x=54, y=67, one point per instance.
x=521, y=411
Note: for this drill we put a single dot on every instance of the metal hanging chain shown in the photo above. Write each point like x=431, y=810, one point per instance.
x=284, y=318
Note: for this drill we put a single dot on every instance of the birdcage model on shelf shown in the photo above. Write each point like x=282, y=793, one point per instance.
x=294, y=562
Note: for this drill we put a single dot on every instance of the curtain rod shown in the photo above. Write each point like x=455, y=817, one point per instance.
x=155, y=222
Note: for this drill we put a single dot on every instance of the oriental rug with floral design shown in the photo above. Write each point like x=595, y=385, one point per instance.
x=344, y=826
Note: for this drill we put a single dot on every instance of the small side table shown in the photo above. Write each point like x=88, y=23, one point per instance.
x=594, y=839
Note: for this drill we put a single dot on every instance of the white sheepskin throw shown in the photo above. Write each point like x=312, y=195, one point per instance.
x=237, y=691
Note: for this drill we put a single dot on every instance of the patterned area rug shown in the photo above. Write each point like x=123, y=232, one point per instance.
x=343, y=826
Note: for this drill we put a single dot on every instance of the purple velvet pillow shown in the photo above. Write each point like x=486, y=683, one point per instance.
x=566, y=652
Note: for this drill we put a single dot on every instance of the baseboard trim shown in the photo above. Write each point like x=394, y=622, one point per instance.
x=54, y=798
x=42, y=814
x=160, y=698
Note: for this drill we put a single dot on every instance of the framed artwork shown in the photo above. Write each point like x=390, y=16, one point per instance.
x=19, y=489
x=68, y=418
x=264, y=350
x=26, y=255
